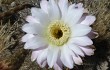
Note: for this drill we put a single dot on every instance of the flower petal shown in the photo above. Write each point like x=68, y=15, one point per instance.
x=91, y=47
x=74, y=14
x=52, y=57
x=57, y=67
x=88, y=51
x=79, y=5
x=76, y=49
x=93, y=35
x=89, y=20
x=82, y=41
x=77, y=60
x=63, y=4
x=35, y=55
x=44, y=5
x=54, y=11
x=66, y=57
x=42, y=57
x=80, y=30
x=33, y=29
x=59, y=64
x=82, y=18
x=35, y=43
x=31, y=19
x=43, y=64
x=40, y=15
x=27, y=37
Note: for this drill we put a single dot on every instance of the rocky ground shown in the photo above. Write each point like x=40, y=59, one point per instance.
x=14, y=57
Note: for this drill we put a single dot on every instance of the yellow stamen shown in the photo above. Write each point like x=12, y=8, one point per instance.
x=58, y=33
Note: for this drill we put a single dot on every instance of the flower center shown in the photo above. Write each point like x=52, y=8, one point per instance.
x=58, y=33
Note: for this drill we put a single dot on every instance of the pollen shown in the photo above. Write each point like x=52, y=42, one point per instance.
x=58, y=33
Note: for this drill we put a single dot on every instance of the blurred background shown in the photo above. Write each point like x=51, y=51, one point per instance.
x=12, y=17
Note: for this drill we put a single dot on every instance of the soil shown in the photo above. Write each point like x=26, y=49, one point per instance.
x=14, y=57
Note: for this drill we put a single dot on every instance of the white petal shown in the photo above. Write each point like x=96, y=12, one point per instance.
x=80, y=30
x=79, y=5
x=88, y=51
x=44, y=5
x=33, y=29
x=56, y=67
x=54, y=11
x=76, y=49
x=63, y=4
x=74, y=14
x=27, y=37
x=35, y=43
x=35, y=55
x=89, y=20
x=91, y=47
x=31, y=19
x=82, y=41
x=40, y=15
x=66, y=57
x=43, y=64
x=59, y=64
x=77, y=60
x=42, y=57
x=93, y=35
x=82, y=18
x=52, y=55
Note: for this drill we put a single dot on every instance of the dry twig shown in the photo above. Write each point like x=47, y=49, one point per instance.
x=15, y=10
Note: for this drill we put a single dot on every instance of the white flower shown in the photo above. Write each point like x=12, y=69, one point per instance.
x=59, y=34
